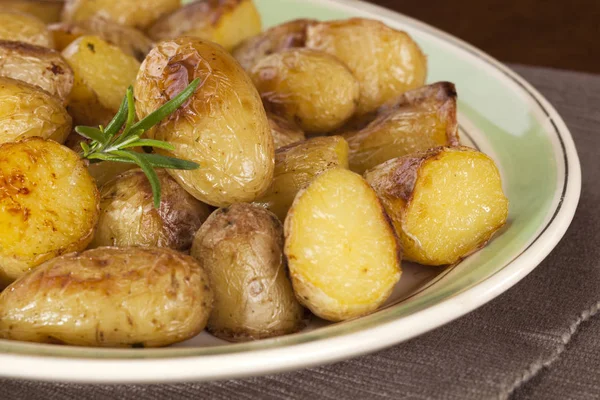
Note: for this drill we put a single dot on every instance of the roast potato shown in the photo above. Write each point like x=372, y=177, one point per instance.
x=109, y=297
x=134, y=13
x=102, y=74
x=227, y=22
x=313, y=89
x=241, y=248
x=445, y=203
x=130, y=40
x=223, y=126
x=419, y=120
x=128, y=216
x=48, y=205
x=288, y=35
x=297, y=165
x=284, y=132
x=385, y=61
x=46, y=10
x=342, y=251
x=26, y=110
x=38, y=66
x=21, y=27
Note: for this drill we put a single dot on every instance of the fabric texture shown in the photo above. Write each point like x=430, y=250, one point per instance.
x=539, y=340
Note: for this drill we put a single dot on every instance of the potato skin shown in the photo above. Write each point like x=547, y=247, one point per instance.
x=223, y=126
x=128, y=216
x=109, y=297
x=27, y=111
x=38, y=66
x=227, y=22
x=46, y=10
x=21, y=27
x=313, y=89
x=284, y=132
x=241, y=249
x=38, y=220
x=385, y=61
x=285, y=36
x=134, y=13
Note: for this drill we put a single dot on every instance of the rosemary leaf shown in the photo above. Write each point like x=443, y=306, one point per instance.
x=150, y=143
x=91, y=133
x=148, y=169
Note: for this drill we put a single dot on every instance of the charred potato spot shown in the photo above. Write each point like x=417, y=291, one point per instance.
x=21, y=27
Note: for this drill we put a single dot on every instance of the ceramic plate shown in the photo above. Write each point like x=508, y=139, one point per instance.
x=500, y=114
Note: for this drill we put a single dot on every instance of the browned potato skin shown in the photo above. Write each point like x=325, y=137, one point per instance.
x=38, y=66
x=128, y=216
x=109, y=297
x=223, y=126
x=26, y=28
x=285, y=36
x=134, y=13
x=46, y=10
x=241, y=248
x=128, y=39
x=227, y=22
x=418, y=120
x=385, y=61
x=284, y=132
x=313, y=89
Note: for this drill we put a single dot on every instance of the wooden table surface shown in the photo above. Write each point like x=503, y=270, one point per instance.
x=552, y=33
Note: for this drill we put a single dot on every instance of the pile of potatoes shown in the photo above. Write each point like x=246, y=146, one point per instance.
x=324, y=159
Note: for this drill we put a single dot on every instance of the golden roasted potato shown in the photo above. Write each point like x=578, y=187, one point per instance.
x=223, y=126
x=284, y=132
x=21, y=27
x=241, y=248
x=445, y=203
x=26, y=110
x=109, y=297
x=38, y=66
x=46, y=10
x=128, y=216
x=342, y=251
x=297, y=165
x=227, y=22
x=285, y=36
x=48, y=205
x=313, y=89
x=102, y=75
x=419, y=120
x=130, y=40
x=135, y=13
x=385, y=61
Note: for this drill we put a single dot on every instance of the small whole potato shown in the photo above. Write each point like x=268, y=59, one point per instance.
x=313, y=89
x=128, y=216
x=27, y=110
x=241, y=248
x=223, y=126
x=284, y=132
x=109, y=297
x=26, y=28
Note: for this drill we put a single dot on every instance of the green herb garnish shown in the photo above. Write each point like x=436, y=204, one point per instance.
x=108, y=145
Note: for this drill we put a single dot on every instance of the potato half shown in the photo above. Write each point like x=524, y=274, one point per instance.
x=241, y=248
x=223, y=126
x=227, y=22
x=134, y=13
x=311, y=88
x=385, y=61
x=27, y=110
x=285, y=36
x=419, y=120
x=109, y=297
x=102, y=75
x=445, y=203
x=128, y=216
x=297, y=165
x=21, y=27
x=284, y=132
x=38, y=66
x=342, y=251
x=46, y=10
x=48, y=205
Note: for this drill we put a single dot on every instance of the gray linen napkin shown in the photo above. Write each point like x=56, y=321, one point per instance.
x=518, y=345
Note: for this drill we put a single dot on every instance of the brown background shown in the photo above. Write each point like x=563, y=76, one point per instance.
x=553, y=33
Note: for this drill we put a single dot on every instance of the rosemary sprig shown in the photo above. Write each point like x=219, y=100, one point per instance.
x=106, y=144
